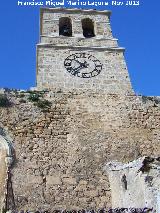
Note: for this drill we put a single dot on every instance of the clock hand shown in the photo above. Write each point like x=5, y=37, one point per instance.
x=76, y=70
x=78, y=61
x=83, y=64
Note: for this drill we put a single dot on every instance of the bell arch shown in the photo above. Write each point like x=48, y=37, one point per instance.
x=88, y=28
x=65, y=26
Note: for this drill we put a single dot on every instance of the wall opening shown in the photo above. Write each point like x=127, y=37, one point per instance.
x=88, y=28
x=65, y=26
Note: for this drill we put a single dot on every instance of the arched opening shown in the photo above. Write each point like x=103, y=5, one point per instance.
x=65, y=26
x=88, y=28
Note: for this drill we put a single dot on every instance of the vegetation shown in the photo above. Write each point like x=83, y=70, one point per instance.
x=37, y=98
x=43, y=104
x=4, y=102
x=34, y=97
x=156, y=100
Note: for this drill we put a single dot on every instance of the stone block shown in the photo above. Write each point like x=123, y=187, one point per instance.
x=53, y=180
x=69, y=180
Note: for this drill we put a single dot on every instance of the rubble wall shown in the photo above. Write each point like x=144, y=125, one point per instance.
x=61, y=152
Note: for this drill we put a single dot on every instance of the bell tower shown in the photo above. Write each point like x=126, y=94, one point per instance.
x=78, y=52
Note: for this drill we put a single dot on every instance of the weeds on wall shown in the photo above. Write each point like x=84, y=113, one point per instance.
x=44, y=104
x=34, y=97
x=37, y=99
x=4, y=102
x=156, y=100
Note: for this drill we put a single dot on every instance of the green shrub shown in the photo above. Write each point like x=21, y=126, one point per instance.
x=156, y=100
x=37, y=98
x=43, y=104
x=34, y=97
x=145, y=99
x=40, y=93
x=4, y=102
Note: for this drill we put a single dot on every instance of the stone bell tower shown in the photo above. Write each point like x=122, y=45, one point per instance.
x=78, y=52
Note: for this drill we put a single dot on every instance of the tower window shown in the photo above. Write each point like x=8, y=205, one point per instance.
x=88, y=28
x=65, y=26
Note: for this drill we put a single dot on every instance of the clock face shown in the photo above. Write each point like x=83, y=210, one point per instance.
x=83, y=65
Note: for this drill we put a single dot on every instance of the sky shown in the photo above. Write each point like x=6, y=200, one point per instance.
x=136, y=27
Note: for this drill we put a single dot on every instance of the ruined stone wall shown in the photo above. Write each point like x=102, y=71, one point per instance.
x=3, y=177
x=6, y=160
x=61, y=152
x=137, y=183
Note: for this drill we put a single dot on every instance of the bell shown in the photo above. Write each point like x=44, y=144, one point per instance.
x=65, y=31
x=88, y=33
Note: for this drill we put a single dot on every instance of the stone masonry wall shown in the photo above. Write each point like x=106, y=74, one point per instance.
x=81, y=42
x=61, y=152
x=50, y=21
x=52, y=74
x=79, y=62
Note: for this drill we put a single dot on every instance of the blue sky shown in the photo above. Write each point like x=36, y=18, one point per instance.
x=137, y=28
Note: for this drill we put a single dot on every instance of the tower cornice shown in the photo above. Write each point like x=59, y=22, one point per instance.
x=73, y=10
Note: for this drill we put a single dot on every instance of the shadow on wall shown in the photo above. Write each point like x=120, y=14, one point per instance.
x=6, y=161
